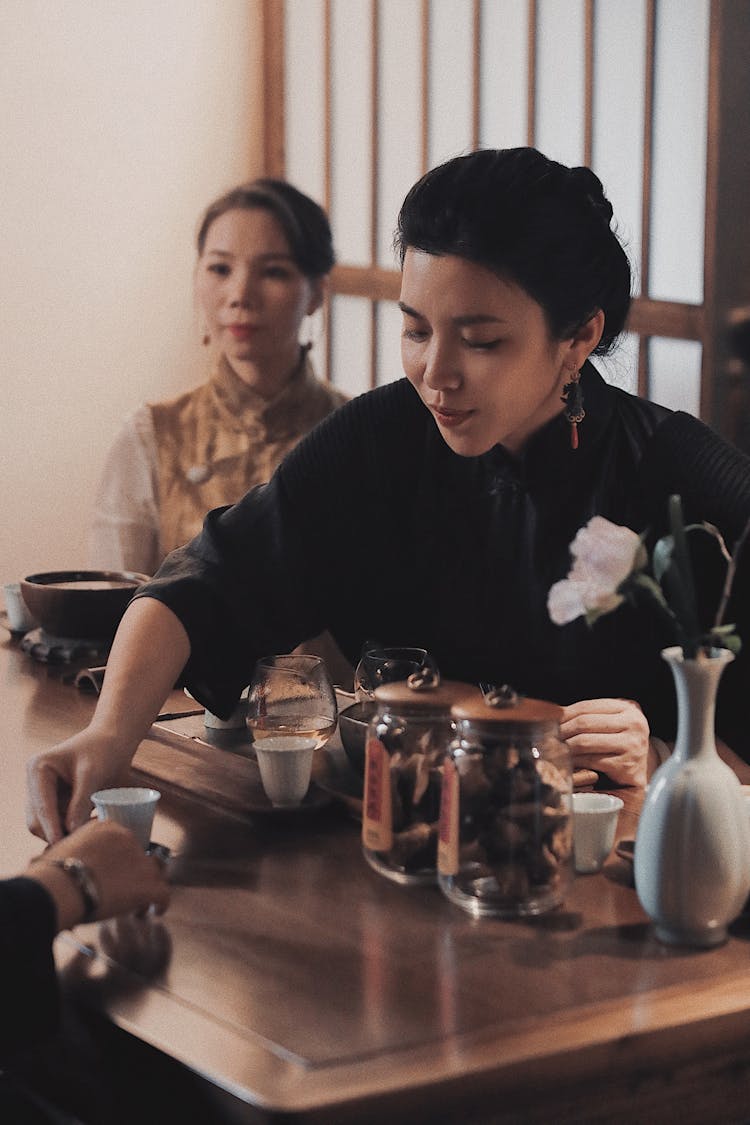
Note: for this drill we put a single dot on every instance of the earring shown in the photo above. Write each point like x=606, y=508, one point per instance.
x=572, y=396
x=310, y=330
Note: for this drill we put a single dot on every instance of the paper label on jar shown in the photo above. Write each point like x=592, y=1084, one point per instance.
x=377, y=820
x=448, y=837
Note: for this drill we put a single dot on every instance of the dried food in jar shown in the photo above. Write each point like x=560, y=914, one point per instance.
x=416, y=774
x=514, y=818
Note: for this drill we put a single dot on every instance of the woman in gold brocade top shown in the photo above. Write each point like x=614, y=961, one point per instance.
x=264, y=255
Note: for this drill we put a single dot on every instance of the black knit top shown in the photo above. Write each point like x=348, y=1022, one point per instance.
x=373, y=528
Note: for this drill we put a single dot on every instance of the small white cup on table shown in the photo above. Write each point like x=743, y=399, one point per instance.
x=236, y=721
x=594, y=828
x=285, y=769
x=20, y=618
x=132, y=806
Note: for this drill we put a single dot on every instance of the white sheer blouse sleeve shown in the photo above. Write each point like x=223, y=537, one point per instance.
x=125, y=527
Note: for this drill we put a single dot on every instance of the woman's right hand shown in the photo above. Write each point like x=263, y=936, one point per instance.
x=148, y=653
x=60, y=782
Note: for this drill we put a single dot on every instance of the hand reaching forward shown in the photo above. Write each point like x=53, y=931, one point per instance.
x=610, y=736
x=60, y=782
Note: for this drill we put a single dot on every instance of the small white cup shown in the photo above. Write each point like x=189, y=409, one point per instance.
x=594, y=826
x=20, y=619
x=285, y=768
x=236, y=721
x=129, y=805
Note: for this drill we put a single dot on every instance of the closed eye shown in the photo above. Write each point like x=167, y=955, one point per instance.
x=415, y=334
x=482, y=345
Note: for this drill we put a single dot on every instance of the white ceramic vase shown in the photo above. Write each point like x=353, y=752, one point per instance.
x=692, y=849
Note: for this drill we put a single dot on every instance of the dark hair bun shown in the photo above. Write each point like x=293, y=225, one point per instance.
x=585, y=184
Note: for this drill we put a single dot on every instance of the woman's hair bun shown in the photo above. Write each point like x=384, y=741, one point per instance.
x=585, y=184
x=530, y=220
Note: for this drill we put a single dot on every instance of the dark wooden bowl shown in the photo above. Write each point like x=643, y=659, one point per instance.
x=353, y=723
x=80, y=604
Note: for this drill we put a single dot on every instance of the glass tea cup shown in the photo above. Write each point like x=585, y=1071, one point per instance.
x=291, y=712
x=389, y=664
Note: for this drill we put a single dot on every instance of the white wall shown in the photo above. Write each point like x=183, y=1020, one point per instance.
x=120, y=120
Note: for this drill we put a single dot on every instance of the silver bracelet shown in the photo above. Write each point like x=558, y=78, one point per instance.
x=84, y=880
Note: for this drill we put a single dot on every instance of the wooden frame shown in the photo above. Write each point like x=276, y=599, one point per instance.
x=727, y=163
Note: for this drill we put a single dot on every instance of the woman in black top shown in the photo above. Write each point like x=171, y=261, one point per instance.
x=444, y=522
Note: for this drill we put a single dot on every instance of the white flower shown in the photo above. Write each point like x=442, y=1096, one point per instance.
x=604, y=555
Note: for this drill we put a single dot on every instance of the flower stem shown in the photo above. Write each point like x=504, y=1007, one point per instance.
x=729, y=576
x=683, y=587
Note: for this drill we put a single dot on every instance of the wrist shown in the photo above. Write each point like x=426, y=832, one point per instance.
x=72, y=886
x=114, y=743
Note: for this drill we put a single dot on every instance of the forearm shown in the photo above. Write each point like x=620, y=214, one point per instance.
x=28, y=984
x=149, y=652
x=69, y=906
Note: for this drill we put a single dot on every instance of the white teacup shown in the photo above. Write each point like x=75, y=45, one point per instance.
x=20, y=618
x=285, y=768
x=236, y=721
x=129, y=805
x=594, y=827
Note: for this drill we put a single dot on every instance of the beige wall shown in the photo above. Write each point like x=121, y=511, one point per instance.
x=120, y=120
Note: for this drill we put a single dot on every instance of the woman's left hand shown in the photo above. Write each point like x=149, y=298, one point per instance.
x=610, y=736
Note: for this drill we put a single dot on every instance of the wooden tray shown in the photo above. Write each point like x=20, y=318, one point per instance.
x=219, y=768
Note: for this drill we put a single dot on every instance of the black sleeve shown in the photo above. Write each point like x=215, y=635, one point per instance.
x=28, y=983
x=280, y=565
x=686, y=457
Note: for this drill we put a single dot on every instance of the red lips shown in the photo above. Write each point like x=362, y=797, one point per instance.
x=241, y=331
x=450, y=418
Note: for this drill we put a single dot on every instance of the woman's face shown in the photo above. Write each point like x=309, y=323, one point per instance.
x=479, y=352
x=254, y=296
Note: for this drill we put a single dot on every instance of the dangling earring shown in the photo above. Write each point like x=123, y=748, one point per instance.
x=306, y=333
x=572, y=396
x=311, y=329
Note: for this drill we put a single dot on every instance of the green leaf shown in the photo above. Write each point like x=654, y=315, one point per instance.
x=717, y=638
x=662, y=556
x=722, y=630
x=644, y=583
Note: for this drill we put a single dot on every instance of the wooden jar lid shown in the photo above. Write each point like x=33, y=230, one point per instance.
x=440, y=697
x=525, y=710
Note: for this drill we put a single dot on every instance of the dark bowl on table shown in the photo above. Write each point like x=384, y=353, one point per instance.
x=80, y=604
x=353, y=723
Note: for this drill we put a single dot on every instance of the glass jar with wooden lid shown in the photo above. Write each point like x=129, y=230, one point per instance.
x=406, y=743
x=506, y=834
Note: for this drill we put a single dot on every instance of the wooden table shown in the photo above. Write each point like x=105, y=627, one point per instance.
x=298, y=985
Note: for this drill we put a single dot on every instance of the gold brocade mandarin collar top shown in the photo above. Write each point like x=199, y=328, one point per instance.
x=222, y=438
